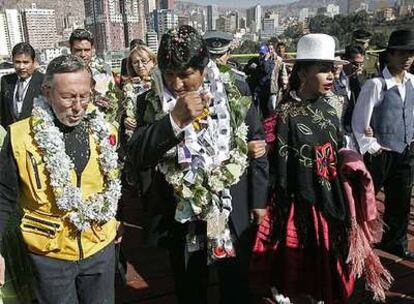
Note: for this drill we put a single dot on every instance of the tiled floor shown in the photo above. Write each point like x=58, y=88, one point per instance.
x=149, y=279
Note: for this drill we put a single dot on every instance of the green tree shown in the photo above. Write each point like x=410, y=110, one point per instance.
x=320, y=24
x=247, y=47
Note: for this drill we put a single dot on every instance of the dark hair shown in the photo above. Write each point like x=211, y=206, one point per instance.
x=64, y=64
x=80, y=34
x=352, y=50
x=181, y=49
x=135, y=42
x=294, y=80
x=280, y=43
x=24, y=48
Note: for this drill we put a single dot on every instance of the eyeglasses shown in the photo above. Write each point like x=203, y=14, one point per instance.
x=357, y=64
x=140, y=62
x=70, y=101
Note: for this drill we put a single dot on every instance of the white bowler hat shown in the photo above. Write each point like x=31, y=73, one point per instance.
x=316, y=47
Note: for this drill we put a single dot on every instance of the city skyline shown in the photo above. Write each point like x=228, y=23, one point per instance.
x=240, y=3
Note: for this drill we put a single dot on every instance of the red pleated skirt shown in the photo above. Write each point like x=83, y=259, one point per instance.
x=296, y=270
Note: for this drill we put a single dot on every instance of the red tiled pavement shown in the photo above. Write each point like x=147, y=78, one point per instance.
x=149, y=278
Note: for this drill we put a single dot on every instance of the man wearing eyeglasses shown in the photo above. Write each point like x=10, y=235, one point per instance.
x=56, y=168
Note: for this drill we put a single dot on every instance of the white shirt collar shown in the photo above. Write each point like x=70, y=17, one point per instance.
x=390, y=81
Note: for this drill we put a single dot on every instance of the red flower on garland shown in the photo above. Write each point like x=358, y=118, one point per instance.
x=112, y=140
x=325, y=161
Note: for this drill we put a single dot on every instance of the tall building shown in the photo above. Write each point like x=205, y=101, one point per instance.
x=151, y=39
x=166, y=19
x=332, y=10
x=166, y=4
x=133, y=17
x=4, y=36
x=39, y=27
x=269, y=24
x=233, y=21
x=303, y=14
x=149, y=6
x=212, y=16
x=103, y=18
x=183, y=20
x=11, y=30
x=15, y=26
x=254, y=18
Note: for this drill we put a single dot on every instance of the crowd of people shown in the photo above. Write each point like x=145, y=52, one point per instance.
x=267, y=172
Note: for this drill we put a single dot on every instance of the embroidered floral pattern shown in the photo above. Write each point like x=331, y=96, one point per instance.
x=325, y=162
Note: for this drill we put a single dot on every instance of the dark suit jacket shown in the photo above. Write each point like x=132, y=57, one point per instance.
x=147, y=147
x=8, y=83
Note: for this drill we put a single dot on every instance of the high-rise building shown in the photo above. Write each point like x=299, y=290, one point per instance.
x=332, y=10
x=166, y=19
x=166, y=4
x=39, y=27
x=151, y=39
x=233, y=21
x=242, y=23
x=183, y=20
x=254, y=18
x=11, y=30
x=103, y=18
x=212, y=16
x=303, y=14
x=4, y=36
x=269, y=24
x=149, y=6
x=133, y=17
x=15, y=26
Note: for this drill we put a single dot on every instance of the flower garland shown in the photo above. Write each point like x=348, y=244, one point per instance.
x=99, y=207
x=198, y=170
x=131, y=91
x=105, y=86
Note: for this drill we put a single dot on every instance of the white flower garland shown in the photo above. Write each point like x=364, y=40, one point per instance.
x=202, y=180
x=99, y=207
x=131, y=92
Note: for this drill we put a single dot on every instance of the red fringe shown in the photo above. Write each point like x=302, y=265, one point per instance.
x=363, y=260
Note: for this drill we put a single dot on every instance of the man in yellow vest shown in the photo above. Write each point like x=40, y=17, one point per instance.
x=59, y=168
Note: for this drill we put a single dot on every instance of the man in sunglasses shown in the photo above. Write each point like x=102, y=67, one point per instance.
x=386, y=104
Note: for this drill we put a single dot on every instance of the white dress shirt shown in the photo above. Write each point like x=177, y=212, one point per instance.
x=372, y=93
x=18, y=104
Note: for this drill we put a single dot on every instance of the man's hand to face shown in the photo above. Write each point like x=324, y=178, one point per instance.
x=189, y=106
x=24, y=65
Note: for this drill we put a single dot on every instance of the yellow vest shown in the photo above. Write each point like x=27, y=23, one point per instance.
x=44, y=227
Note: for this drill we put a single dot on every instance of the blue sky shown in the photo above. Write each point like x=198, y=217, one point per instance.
x=238, y=3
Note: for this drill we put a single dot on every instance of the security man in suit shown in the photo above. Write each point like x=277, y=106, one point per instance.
x=219, y=46
x=20, y=88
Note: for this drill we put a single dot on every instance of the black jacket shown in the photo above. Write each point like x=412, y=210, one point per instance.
x=147, y=147
x=8, y=83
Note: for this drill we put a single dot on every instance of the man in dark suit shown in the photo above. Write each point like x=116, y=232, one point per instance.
x=20, y=88
x=183, y=63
